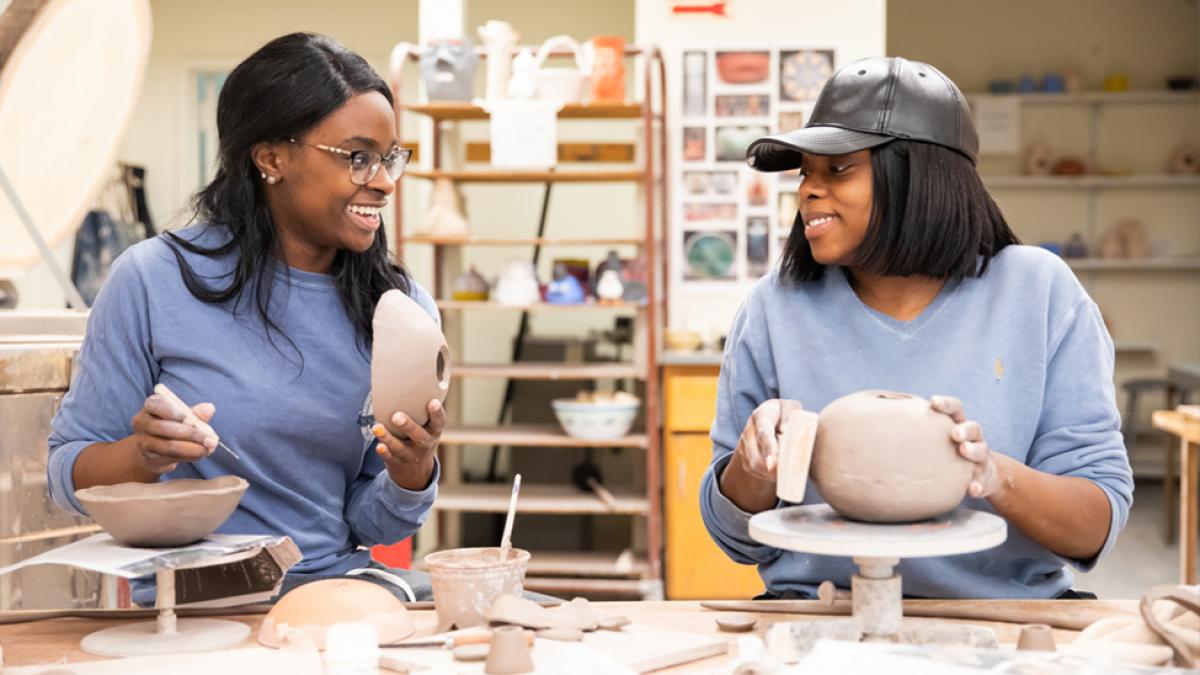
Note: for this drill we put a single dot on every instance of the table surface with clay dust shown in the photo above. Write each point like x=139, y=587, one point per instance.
x=57, y=640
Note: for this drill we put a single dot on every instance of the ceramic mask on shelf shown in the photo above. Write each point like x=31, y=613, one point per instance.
x=448, y=69
x=410, y=363
x=499, y=39
x=876, y=456
x=563, y=84
x=445, y=216
x=518, y=284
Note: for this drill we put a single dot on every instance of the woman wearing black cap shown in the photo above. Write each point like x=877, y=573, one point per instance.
x=902, y=274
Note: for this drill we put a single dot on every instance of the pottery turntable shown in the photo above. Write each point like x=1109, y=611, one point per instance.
x=894, y=488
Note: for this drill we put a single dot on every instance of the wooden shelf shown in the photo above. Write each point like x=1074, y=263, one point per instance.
x=532, y=436
x=499, y=176
x=529, y=241
x=462, y=110
x=1089, y=97
x=569, y=587
x=550, y=371
x=538, y=307
x=585, y=564
x=1091, y=182
x=1134, y=347
x=547, y=499
x=1146, y=265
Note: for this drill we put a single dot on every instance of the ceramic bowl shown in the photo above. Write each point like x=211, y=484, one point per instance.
x=170, y=513
x=605, y=421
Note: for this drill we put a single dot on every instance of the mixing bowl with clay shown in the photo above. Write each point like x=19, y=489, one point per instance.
x=466, y=581
x=887, y=457
x=168, y=513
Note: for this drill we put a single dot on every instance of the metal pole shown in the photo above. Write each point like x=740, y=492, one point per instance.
x=74, y=299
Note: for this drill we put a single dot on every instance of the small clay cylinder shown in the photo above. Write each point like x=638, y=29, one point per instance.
x=510, y=652
x=1036, y=637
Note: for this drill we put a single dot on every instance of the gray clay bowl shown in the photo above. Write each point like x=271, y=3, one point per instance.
x=170, y=513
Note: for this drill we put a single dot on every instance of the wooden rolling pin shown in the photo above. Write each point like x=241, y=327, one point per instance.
x=1066, y=614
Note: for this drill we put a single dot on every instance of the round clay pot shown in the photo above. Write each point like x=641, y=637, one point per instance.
x=164, y=514
x=410, y=363
x=886, y=457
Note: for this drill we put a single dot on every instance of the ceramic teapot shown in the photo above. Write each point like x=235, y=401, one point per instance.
x=876, y=456
x=410, y=362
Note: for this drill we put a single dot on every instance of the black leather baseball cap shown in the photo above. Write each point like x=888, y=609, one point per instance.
x=868, y=103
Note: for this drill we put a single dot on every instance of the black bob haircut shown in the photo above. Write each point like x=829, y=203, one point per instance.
x=930, y=216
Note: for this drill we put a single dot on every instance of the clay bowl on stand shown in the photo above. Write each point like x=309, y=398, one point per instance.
x=170, y=513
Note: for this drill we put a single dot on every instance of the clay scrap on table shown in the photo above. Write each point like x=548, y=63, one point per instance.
x=517, y=611
x=510, y=652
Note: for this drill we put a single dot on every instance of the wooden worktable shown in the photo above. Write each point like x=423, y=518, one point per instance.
x=56, y=640
x=1187, y=429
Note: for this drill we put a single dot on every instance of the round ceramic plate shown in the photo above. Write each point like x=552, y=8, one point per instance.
x=710, y=255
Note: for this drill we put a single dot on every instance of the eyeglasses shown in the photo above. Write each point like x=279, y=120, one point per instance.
x=364, y=164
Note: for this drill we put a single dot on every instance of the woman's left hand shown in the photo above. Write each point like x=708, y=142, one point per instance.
x=409, y=455
x=986, y=481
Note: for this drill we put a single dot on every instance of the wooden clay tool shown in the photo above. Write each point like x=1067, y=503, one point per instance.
x=189, y=417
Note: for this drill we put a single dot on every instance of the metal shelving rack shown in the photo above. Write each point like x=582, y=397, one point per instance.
x=583, y=571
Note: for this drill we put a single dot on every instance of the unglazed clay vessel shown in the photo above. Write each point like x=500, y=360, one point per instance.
x=886, y=457
x=169, y=513
x=509, y=652
x=314, y=607
x=410, y=363
x=1036, y=637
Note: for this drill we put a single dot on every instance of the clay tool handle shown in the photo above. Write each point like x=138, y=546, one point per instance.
x=603, y=493
x=454, y=641
x=506, y=540
x=1067, y=614
x=189, y=416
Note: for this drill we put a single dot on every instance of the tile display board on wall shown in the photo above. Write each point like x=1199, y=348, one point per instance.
x=736, y=220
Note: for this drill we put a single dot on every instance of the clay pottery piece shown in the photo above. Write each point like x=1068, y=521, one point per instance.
x=1173, y=621
x=468, y=653
x=509, y=653
x=448, y=69
x=523, y=83
x=445, y=217
x=1069, y=166
x=518, y=285
x=606, y=55
x=1075, y=247
x=314, y=607
x=518, y=611
x=1184, y=161
x=1038, y=161
x=887, y=457
x=609, y=288
x=737, y=623
x=561, y=634
x=568, y=85
x=612, y=622
x=159, y=515
x=498, y=38
x=743, y=67
x=828, y=593
x=410, y=362
x=467, y=582
x=1036, y=637
x=470, y=286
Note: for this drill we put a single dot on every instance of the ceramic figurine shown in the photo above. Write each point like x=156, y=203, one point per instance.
x=499, y=39
x=1053, y=83
x=410, y=363
x=523, y=83
x=1073, y=81
x=606, y=54
x=1126, y=240
x=877, y=456
x=564, y=289
x=609, y=288
x=445, y=217
x=1026, y=83
x=1075, y=247
x=1116, y=82
x=470, y=286
x=1038, y=161
x=1069, y=166
x=518, y=285
x=448, y=69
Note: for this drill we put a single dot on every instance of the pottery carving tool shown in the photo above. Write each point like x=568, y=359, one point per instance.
x=455, y=641
x=189, y=416
x=506, y=539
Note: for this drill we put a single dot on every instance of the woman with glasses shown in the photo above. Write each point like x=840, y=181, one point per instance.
x=262, y=309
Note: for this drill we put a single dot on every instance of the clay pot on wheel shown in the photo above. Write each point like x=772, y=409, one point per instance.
x=410, y=363
x=886, y=457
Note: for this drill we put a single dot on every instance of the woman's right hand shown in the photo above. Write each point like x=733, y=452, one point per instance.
x=749, y=478
x=162, y=440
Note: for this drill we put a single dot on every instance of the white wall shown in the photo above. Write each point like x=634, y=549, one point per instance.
x=853, y=29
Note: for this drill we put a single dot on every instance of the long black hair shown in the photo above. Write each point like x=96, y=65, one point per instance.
x=930, y=215
x=281, y=91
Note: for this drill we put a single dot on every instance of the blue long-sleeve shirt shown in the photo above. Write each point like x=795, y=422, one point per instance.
x=302, y=432
x=1023, y=347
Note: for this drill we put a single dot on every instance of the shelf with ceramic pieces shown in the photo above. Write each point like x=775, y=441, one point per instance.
x=1091, y=182
x=507, y=176
x=1143, y=265
x=1096, y=97
x=1135, y=347
x=527, y=241
x=531, y=370
x=462, y=110
x=531, y=436
x=537, y=498
x=539, y=307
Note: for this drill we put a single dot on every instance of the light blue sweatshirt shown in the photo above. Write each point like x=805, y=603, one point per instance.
x=303, y=434
x=1023, y=347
